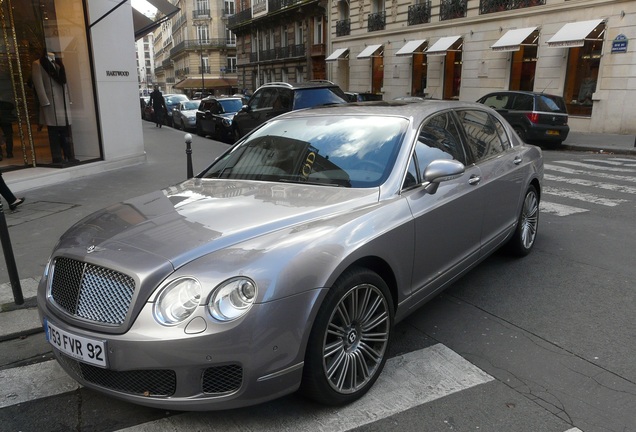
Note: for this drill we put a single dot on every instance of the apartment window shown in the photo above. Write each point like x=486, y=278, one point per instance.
x=202, y=5
x=284, y=36
x=299, y=35
x=230, y=38
x=203, y=34
x=299, y=74
x=231, y=65
x=318, y=34
x=229, y=7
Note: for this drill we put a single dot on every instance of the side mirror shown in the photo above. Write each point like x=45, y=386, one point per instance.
x=245, y=109
x=441, y=170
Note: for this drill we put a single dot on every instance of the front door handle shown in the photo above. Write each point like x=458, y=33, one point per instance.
x=517, y=160
x=474, y=179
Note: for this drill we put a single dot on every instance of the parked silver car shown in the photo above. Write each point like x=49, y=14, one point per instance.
x=286, y=263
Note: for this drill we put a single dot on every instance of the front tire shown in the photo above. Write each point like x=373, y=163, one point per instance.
x=348, y=344
x=525, y=234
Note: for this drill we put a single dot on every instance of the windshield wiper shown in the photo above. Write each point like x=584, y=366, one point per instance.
x=283, y=180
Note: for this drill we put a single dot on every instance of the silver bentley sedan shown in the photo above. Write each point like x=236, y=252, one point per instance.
x=285, y=264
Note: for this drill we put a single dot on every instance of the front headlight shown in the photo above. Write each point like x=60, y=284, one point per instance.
x=177, y=301
x=227, y=122
x=232, y=299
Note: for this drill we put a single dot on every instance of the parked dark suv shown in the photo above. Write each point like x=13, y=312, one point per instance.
x=536, y=117
x=215, y=117
x=273, y=99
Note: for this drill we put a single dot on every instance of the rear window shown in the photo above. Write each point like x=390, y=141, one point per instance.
x=550, y=103
x=307, y=98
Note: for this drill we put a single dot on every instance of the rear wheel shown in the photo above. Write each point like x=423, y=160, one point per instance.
x=348, y=344
x=525, y=234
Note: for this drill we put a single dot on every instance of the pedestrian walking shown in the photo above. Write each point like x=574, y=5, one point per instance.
x=158, y=105
x=8, y=195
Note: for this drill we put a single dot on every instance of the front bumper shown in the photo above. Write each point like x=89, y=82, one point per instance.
x=224, y=365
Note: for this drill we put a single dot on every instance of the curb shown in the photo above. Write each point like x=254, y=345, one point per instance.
x=592, y=149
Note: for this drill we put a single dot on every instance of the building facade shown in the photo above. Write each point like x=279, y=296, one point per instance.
x=463, y=49
x=145, y=64
x=195, y=51
x=279, y=40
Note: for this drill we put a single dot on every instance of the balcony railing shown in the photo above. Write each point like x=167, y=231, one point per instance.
x=376, y=21
x=204, y=69
x=170, y=80
x=181, y=72
x=491, y=6
x=201, y=13
x=343, y=27
x=197, y=45
x=317, y=50
x=179, y=22
x=451, y=9
x=279, y=53
x=166, y=63
x=274, y=5
x=233, y=21
x=419, y=13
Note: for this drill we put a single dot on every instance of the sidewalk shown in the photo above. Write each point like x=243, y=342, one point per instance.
x=51, y=210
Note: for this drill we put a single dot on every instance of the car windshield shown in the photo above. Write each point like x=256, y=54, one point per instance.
x=311, y=97
x=231, y=105
x=190, y=105
x=347, y=151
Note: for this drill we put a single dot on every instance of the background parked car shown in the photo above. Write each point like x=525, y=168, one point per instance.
x=273, y=99
x=536, y=117
x=184, y=116
x=172, y=101
x=214, y=117
x=143, y=102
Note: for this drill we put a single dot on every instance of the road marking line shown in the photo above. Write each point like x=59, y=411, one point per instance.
x=576, y=195
x=605, y=161
x=590, y=173
x=36, y=381
x=594, y=167
x=559, y=209
x=598, y=185
x=407, y=381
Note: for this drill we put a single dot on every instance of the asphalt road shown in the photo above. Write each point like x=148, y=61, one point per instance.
x=551, y=336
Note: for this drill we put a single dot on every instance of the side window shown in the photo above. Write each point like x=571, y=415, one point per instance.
x=268, y=96
x=482, y=132
x=283, y=100
x=255, y=100
x=523, y=103
x=503, y=135
x=496, y=101
x=438, y=139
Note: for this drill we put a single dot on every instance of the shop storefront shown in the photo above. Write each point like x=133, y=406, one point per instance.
x=67, y=98
x=580, y=51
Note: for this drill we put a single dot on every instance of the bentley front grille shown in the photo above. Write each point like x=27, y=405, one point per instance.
x=91, y=292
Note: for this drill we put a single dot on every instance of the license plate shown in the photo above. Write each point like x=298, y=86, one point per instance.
x=81, y=348
x=552, y=132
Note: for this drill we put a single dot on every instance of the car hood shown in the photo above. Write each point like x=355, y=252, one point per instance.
x=228, y=115
x=200, y=216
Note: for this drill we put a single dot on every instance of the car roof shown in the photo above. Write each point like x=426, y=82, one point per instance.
x=418, y=111
x=525, y=92
x=302, y=85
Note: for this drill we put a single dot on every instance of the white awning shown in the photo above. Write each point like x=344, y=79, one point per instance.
x=338, y=54
x=512, y=40
x=410, y=47
x=369, y=51
x=440, y=47
x=573, y=34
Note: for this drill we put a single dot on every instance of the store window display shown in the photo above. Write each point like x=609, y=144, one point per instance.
x=45, y=72
x=49, y=82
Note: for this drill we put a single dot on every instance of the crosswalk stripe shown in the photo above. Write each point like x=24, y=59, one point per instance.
x=605, y=161
x=599, y=185
x=35, y=381
x=407, y=381
x=565, y=170
x=576, y=195
x=595, y=167
x=559, y=209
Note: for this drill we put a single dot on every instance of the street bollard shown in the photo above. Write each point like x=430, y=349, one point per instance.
x=10, y=259
x=188, y=141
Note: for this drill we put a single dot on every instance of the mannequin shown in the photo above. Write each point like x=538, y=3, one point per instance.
x=49, y=81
